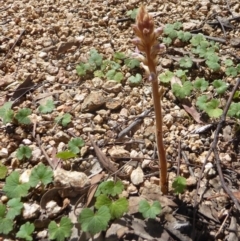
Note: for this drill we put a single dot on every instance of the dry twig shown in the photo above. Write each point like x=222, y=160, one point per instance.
x=213, y=148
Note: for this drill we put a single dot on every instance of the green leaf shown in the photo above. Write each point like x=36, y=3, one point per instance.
x=213, y=65
x=3, y=210
x=23, y=152
x=212, y=108
x=228, y=63
x=231, y=71
x=102, y=200
x=118, y=207
x=170, y=31
x=177, y=25
x=118, y=77
x=22, y=116
x=201, y=50
x=94, y=222
x=179, y=184
x=47, y=108
x=135, y=80
x=110, y=188
x=132, y=13
x=197, y=39
x=40, y=173
x=168, y=28
x=220, y=86
x=64, y=120
x=114, y=65
x=26, y=231
x=238, y=68
x=185, y=62
x=81, y=69
x=236, y=95
x=200, y=84
x=131, y=63
x=181, y=74
x=110, y=74
x=3, y=171
x=98, y=73
x=13, y=188
x=234, y=110
x=6, y=225
x=201, y=102
x=61, y=231
x=149, y=211
x=119, y=55
x=74, y=145
x=182, y=91
x=14, y=208
x=167, y=41
x=166, y=76
x=184, y=36
x=65, y=155
x=6, y=113
x=212, y=61
x=95, y=57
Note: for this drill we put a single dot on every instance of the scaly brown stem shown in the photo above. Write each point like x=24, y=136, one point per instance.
x=147, y=43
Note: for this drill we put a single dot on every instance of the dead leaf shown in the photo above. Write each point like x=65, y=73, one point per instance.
x=94, y=185
x=23, y=88
x=193, y=112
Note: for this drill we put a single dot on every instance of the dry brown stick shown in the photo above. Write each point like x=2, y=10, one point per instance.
x=45, y=153
x=138, y=120
x=179, y=157
x=187, y=163
x=214, y=146
x=104, y=160
x=222, y=26
x=224, y=222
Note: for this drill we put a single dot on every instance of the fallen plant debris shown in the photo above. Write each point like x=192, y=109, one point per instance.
x=78, y=150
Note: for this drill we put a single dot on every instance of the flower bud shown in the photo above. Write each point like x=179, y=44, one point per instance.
x=136, y=41
x=158, y=48
x=138, y=56
x=158, y=31
x=152, y=77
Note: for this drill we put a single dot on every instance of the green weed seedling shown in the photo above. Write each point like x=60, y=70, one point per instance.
x=108, y=206
x=60, y=231
x=63, y=120
x=15, y=191
x=132, y=13
x=47, y=108
x=172, y=32
x=179, y=184
x=3, y=171
x=74, y=147
x=148, y=210
x=26, y=231
x=23, y=152
x=8, y=116
x=207, y=50
x=75, y=144
x=110, y=69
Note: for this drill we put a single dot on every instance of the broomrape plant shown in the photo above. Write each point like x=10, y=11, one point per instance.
x=147, y=43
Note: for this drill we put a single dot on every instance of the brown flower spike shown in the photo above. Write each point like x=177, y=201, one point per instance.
x=147, y=43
